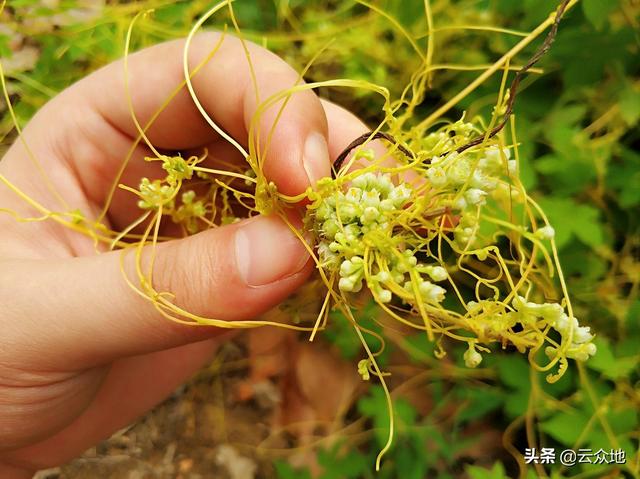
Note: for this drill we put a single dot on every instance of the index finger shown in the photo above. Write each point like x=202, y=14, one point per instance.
x=297, y=155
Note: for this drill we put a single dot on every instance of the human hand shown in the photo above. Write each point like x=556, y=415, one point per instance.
x=81, y=354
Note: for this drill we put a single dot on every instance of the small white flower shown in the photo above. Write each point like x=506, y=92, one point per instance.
x=383, y=183
x=371, y=198
x=493, y=153
x=581, y=352
x=475, y=196
x=459, y=172
x=362, y=182
x=562, y=324
x=553, y=311
x=545, y=233
x=431, y=293
x=346, y=284
x=437, y=273
x=582, y=335
x=460, y=203
x=369, y=215
x=472, y=358
x=330, y=228
x=348, y=267
x=353, y=194
x=437, y=176
x=384, y=295
x=382, y=276
x=483, y=182
x=387, y=205
x=347, y=212
x=399, y=195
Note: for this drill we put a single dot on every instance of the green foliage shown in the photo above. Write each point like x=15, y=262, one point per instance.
x=514, y=374
x=574, y=221
x=496, y=472
x=614, y=366
x=340, y=333
x=623, y=177
x=597, y=11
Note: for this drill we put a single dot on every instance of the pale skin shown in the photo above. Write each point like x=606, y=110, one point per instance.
x=81, y=355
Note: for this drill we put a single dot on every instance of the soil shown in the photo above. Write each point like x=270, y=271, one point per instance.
x=201, y=431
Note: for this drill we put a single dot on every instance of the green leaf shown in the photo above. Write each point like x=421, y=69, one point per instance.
x=374, y=406
x=623, y=176
x=284, y=470
x=514, y=371
x=496, y=472
x=629, y=104
x=573, y=220
x=564, y=386
x=340, y=465
x=478, y=401
x=419, y=348
x=565, y=427
x=341, y=334
x=608, y=364
x=5, y=49
x=597, y=11
x=632, y=318
x=409, y=465
x=584, y=53
x=565, y=173
x=622, y=420
x=586, y=267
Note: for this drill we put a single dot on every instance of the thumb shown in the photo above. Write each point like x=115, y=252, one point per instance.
x=84, y=308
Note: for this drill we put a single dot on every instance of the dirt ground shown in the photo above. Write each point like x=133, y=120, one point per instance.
x=201, y=431
x=267, y=394
x=264, y=395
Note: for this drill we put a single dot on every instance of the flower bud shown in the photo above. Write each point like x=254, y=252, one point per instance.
x=472, y=358
x=545, y=233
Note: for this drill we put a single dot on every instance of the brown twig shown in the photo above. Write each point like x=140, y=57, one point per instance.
x=360, y=140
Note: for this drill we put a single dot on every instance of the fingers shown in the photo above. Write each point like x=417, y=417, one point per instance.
x=297, y=154
x=344, y=127
x=84, y=307
x=131, y=387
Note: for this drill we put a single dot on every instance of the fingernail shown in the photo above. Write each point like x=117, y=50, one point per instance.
x=315, y=159
x=267, y=251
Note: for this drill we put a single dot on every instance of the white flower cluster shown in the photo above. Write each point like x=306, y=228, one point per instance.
x=529, y=314
x=480, y=178
x=349, y=222
x=579, y=337
x=453, y=136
